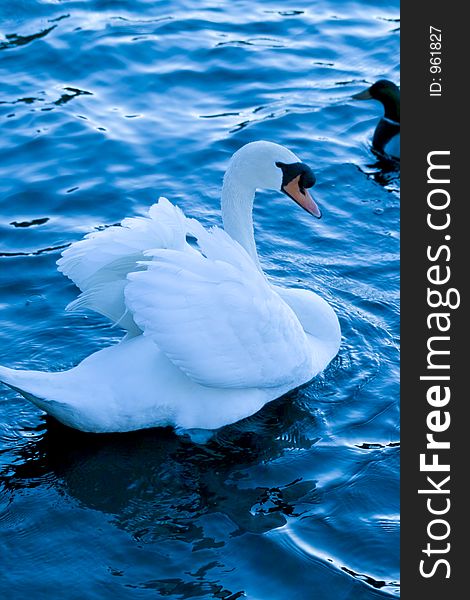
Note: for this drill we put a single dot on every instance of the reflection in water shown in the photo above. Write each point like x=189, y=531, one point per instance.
x=161, y=488
x=387, y=172
x=71, y=93
x=155, y=484
x=12, y=40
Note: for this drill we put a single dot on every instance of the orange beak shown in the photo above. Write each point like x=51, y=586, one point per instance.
x=302, y=197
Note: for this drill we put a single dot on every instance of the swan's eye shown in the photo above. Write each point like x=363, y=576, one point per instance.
x=299, y=170
x=307, y=179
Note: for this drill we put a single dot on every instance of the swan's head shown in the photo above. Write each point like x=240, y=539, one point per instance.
x=269, y=166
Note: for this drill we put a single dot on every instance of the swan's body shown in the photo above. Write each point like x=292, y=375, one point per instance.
x=386, y=139
x=209, y=341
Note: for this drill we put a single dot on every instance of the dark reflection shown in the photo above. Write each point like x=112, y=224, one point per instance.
x=26, y=100
x=59, y=18
x=189, y=589
x=350, y=81
x=13, y=40
x=386, y=171
x=71, y=93
x=260, y=41
x=155, y=484
x=266, y=117
x=376, y=583
x=290, y=13
x=224, y=114
x=36, y=252
x=377, y=445
x=30, y=223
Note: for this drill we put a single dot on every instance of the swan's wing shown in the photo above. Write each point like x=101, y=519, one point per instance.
x=216, y=317
x=99, y=264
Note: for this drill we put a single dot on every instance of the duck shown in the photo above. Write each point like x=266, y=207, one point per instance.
x=207, y=339
x=386, y=139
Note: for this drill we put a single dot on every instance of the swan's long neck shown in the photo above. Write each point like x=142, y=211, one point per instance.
x=237, y=209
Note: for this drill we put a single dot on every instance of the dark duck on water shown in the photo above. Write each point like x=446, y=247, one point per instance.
x=386, y=140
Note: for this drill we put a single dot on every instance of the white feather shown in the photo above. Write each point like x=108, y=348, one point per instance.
x=216, y=308
x=99, y=264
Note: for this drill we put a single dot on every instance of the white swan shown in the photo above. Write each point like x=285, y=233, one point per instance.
x=209, y=340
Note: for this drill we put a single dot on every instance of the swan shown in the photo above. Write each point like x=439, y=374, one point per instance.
x=208, y=339
x=386, y=140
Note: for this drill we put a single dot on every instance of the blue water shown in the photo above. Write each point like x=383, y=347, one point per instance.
x=105, y=105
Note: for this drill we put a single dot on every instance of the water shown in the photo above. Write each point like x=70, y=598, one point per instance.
x=105, y=105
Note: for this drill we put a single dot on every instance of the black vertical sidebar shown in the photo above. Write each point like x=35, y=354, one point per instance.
x=435, y=254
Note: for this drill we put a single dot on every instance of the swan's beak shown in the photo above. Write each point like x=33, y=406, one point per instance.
x=364, y=95
x=302, y=197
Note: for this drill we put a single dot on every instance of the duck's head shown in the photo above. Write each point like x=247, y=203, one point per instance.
x=269, y=166
x=387, y=93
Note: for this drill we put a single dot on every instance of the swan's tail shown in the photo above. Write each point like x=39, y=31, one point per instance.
x=38, y=387
x=57, y=394
x=6, y=375
x=21, y=380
